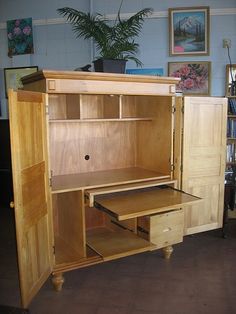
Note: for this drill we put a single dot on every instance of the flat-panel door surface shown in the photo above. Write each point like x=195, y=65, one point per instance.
x=28, y=130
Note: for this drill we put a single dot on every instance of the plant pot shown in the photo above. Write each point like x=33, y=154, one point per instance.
x=109, y=65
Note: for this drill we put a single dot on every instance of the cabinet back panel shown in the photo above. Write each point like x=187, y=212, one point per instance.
x=154, y=150
x=84, y=147
x=99, y=106
x=64, y=106
x=94, y=218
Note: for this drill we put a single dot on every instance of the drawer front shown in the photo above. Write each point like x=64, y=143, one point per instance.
x=166, y=229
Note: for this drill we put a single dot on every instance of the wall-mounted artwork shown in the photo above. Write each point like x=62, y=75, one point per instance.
x=20, y=37
x=189, y=31
x=13, y=77
x=230, y=80
x=146, y=71
x=195, y=76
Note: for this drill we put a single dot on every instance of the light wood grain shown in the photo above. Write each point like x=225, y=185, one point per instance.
x=131, y=204
x=90, y=194
x=204, y=147
x=111, y=245
x=28, y=130
x=95, y=179
x=96, y=76
x=69, y=223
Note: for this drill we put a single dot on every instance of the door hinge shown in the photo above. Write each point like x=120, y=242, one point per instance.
x=172, y=167
x=181, y=168
x=53, y=250
x=173, y=109
x=46, y=110
x=182, y=109
x=50, y=178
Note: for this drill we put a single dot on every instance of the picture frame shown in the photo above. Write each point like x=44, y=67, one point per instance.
x=146, y=71
x=195, y=77
x=13, y=77
x=230, y=89
x=189, y=30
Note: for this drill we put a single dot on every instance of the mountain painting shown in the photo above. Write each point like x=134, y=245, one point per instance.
x=189, y=31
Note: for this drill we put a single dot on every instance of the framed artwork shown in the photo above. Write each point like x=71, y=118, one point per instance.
x=13, y=77
x=195, y=76
x=146, y=71
x=189, y=31
x=230, y=85
x=20, y=37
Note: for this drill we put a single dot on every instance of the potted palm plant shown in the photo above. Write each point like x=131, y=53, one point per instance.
x=115, y=42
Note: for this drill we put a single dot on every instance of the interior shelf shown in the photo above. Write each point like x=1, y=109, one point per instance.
x=111, y=245
x=100, y=120
x=65, y=255
x=73, y=182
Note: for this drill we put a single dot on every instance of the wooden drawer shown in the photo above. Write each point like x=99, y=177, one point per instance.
x=162, y=229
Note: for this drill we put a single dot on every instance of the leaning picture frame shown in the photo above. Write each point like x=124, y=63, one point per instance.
x=189, y=31
x=230, y=85
x=195, y=77
x=13, y=77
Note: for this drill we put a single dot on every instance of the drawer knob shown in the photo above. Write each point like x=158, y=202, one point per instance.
x=167, y=229
x=12, y=205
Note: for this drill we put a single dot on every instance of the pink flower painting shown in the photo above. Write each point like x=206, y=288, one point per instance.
x=195, y=77
x=20, y=37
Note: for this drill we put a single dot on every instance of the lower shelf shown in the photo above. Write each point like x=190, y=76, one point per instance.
x=67, y=259
x=111, y=245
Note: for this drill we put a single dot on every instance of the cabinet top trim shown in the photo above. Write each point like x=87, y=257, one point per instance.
x=97, y=76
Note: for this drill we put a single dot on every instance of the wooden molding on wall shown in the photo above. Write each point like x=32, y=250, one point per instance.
x=155, y=15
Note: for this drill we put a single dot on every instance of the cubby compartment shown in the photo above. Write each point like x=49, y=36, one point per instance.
x=112, y=239
x=68, y=225
x=109, y=151
x=162, y=229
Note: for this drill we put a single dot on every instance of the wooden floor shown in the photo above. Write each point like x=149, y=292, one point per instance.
x=200, y=278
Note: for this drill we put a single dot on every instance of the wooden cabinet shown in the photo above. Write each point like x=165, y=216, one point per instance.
x=100, y=163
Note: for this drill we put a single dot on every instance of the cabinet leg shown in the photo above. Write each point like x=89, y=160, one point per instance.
x=168, y=251
x=57, y=281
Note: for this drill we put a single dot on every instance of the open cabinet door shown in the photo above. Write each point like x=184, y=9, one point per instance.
x=28, y=130
x=203, y=160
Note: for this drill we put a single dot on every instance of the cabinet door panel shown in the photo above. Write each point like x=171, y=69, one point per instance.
x=203, y=160
x=31, y=190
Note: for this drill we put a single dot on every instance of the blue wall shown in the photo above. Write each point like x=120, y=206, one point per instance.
x=56, y=47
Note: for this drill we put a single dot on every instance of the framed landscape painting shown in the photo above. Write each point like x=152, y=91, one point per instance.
x=189, y=31
x=195, y=77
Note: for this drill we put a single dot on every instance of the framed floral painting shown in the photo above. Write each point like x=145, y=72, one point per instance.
x=195, y=76
x=20, y=37
x=189, y=31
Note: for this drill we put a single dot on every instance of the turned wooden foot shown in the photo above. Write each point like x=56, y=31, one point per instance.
x=168, y=251
x=57, y=281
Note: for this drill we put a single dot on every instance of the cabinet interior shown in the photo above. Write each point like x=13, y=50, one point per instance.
x=97, y=141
